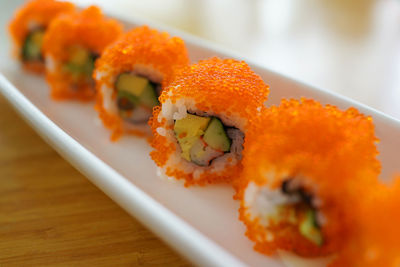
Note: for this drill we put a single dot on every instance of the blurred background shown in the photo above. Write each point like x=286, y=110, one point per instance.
x=351, y=47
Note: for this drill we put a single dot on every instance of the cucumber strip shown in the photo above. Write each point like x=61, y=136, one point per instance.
x=308, y=228
x=149, y=97
x=137, y=86
x=201, y=139
x=215, y=136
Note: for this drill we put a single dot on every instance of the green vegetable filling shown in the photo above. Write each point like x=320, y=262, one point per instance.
x=136, y=97
x=309, y=228
x=80, y=63
x=216, y=137
x=32, y=47
x=303, y=214
x=201, y=139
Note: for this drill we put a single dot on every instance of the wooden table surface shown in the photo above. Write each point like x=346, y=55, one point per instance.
x=52, y=215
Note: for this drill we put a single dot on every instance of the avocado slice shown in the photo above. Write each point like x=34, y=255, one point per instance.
x=84, y=69
x=309, y=228
x=78, y=55
x=188, y=130
x=216, y=137
x=80, y=62
x=131, y=83
x=202, y=154
x=148, y=97
x=32, y=47
x=136, y=96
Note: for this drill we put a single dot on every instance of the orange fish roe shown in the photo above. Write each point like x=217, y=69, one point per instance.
x=377, y=241
x=88, y=29
x=332, y=153
x=227, y=88
x=140, y=47
x=34, y=14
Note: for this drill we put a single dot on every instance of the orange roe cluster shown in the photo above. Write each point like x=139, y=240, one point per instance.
x=34, y=14
x=88, y=29
x=217, y=86
x=332, y=152
x=377, y=240
x=140, y=46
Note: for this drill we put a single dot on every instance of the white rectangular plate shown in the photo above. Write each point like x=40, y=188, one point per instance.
x=200, y=223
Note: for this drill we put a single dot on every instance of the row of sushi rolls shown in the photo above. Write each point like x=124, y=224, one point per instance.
x=305, y=174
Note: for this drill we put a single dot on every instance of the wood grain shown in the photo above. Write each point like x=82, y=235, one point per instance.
x=52, y=215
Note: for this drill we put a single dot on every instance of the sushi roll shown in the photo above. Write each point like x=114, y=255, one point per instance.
x=129, y=77
x=71, y=46
x=205, y=112
x=304, y=169
x=376, y=242
x=28, y=28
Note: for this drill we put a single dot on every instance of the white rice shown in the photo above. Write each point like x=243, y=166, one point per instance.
x=50, y=64
x=263, y=202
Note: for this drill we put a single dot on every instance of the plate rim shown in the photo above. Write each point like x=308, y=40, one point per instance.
x=161, y=221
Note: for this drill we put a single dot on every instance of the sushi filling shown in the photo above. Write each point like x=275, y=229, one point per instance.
x=32, y=47
x=80, y=64
x=203, y=139
x=136, y=97
x=299, y=211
